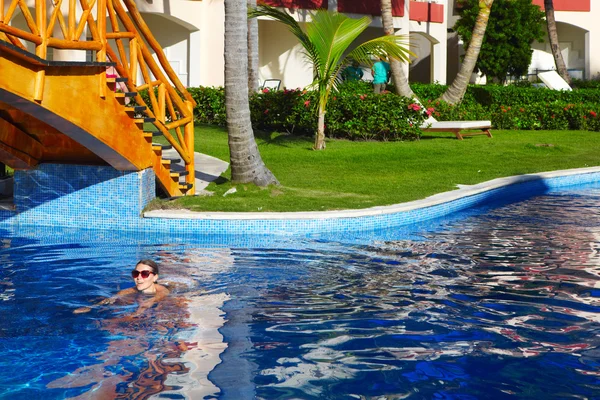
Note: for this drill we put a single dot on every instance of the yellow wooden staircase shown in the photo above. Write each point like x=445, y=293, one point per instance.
x=92, y=112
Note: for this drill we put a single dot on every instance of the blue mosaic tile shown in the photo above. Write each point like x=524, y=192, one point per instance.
x=95, y=197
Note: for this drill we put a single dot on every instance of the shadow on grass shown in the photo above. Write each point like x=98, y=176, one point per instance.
x=283, y=139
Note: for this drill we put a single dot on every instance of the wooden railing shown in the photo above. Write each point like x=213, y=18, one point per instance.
x=171, y=104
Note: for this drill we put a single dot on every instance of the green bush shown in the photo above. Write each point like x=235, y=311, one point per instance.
x=355, y=113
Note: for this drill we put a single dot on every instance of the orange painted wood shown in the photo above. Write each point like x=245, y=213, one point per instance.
x=17, y=149
x=74, y=45
x=567, y=5
x=189, y=138
x=20, y=33
x=111, y=133
x=154, y=45
x=56, y=146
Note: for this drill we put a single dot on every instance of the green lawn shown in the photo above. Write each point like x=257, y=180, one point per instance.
x=349, y=175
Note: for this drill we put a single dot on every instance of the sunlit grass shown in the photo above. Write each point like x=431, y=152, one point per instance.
x=350, y=175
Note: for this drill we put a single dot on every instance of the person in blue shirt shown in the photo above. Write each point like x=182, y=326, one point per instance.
x=353, y=72
x=381, y=74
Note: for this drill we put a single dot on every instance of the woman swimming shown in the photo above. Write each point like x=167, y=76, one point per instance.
x=145, y=276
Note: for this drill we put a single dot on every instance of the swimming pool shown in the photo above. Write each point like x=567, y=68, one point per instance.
x=497, y=302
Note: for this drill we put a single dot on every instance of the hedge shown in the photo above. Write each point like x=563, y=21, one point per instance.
x=356, y=113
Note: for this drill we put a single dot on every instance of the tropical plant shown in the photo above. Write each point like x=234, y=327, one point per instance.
x=512, y=27
x=326, y=39
x=247, y=165
x=457, y=90
x=553, y=37
x=398, y=75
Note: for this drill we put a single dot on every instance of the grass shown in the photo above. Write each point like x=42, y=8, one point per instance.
x=351, y=175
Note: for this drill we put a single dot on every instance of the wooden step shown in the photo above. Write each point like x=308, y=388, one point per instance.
x=161, y=147
x=151, y=134
x=144, y=120
x=122, y=95
x=135, y=109
x=172, y=160
x=185, y=186
x=178, y=174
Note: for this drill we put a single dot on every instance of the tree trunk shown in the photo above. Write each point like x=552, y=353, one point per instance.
x=246, y=164
x=320, y=138
x=252, y=51
x=399, y=77
x=457, y=90
x=553, y=36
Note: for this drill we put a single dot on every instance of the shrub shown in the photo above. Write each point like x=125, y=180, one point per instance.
x=356, y=113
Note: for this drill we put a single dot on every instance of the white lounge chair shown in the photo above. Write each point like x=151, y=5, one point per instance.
x=458, y=127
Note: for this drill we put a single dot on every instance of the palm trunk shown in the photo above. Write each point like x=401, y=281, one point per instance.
x=457, y=90
x=399, y=77
x=246, y=164
x=553, y=36
x=252, y=51
x=320, y=138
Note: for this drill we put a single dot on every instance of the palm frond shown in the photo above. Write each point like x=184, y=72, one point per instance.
x=331, y=34
x=385, y=46
x=292, y=25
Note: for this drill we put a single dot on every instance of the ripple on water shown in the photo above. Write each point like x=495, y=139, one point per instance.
x=503, y=304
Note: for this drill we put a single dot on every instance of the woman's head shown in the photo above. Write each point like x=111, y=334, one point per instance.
x=145, y=276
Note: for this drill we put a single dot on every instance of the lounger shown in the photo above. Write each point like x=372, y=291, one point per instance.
x=458, y=127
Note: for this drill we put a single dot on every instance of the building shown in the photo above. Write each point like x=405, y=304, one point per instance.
x=191, y=33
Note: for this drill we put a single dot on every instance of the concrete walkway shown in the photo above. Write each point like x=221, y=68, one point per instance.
x=207, y=168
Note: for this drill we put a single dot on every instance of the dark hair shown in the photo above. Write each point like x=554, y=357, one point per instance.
x=149, y=263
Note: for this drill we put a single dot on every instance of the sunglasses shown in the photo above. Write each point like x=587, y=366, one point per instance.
x=135, y=273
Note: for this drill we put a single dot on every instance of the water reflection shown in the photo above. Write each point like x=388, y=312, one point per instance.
x=494, y=303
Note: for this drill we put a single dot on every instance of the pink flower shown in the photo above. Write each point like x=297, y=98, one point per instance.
x=265, y=90
x=307, y=103
x=430, y=111
x=414, y=107
x=362, y=96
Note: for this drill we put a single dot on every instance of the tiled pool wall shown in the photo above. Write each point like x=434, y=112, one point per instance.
x=79, y=196
x=93, y=197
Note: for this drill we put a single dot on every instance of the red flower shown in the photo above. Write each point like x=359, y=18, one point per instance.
x=265, y=90
x=593, y=114
x=414, y=107
x=267, y=111
x=430, y=111
x=362, y=96
x=521, y=109
x=307, y=103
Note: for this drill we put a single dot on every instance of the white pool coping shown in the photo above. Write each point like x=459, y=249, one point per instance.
x=437, y=199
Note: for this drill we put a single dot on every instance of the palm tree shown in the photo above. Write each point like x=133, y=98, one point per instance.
x=553, y=36
x=246, y=164
x=325, y=39
x=398, y=75
x=456, y=91
x=252, y=51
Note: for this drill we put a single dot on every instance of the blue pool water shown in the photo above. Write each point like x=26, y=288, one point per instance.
x=500, y=302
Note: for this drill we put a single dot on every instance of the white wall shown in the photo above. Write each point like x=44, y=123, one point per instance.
x=281, y=57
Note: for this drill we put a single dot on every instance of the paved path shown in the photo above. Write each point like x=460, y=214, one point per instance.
x=207, y=169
